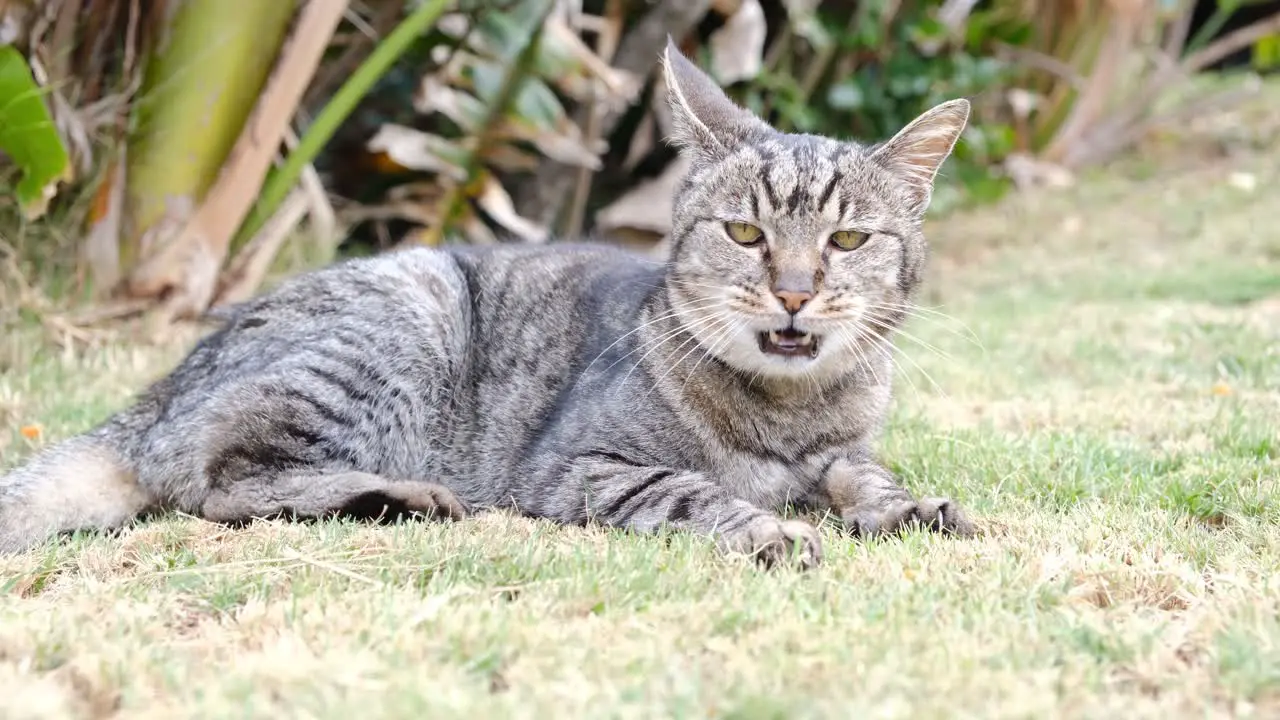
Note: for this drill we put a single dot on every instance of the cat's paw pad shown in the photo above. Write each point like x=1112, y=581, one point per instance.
x=937, y=514
x=774, y=542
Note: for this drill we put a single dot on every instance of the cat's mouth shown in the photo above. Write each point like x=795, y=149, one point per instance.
x=789, y=343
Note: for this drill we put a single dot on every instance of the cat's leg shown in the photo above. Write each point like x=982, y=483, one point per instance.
x=872, y=503
x=644, y=498
x=319, y=494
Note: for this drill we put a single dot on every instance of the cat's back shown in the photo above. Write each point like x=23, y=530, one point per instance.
x=529, y=297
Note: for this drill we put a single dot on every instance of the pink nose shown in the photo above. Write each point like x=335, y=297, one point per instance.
x=793, y=300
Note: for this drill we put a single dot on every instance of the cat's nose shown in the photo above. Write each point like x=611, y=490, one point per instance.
x=793, y=300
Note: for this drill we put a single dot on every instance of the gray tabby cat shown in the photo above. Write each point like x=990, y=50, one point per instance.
x=570, y=382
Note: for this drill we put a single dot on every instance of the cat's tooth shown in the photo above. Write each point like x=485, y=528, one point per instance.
x=774, y=337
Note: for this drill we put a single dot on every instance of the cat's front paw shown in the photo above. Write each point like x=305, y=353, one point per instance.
x=773, y=542
x=430, y=500
x=933, y=513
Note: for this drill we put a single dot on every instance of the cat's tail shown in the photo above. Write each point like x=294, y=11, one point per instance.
x=83, y=483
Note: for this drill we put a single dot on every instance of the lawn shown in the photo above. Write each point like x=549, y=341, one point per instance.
x=1097, y=377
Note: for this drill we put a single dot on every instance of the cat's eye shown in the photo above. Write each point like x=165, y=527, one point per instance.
x=743, y=233
x=849, y=239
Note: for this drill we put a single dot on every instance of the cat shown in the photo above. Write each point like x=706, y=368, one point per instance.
x=573, y=381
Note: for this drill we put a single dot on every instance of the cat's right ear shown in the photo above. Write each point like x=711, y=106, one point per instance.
x=705, y=121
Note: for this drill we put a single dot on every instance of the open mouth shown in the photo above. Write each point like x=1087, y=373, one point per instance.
x=789, y=343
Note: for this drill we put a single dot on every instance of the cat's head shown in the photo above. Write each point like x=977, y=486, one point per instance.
x=792, y=254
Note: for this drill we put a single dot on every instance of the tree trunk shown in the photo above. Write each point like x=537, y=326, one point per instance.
x=206, y=66
x=184, y=271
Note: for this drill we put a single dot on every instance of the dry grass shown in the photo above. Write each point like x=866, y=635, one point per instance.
x=1109, y=414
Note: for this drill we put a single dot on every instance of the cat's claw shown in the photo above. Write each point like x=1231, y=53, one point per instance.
x=774, y=542
x=933, y=513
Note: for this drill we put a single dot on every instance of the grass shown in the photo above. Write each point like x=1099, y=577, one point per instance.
x=1102, y=393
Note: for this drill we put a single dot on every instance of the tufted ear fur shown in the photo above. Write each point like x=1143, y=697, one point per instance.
x=706, y=122
x=919, y=149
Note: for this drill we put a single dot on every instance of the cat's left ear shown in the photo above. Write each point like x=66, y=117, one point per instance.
x=919, y=149
x=706, y=122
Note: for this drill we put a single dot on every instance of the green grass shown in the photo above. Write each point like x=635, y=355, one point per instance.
x=1102, y=393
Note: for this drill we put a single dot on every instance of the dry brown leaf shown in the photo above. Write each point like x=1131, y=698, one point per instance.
x=435, y=95
x=567, y=146
x=418, y=150
x=737, y=47
x=455, y=25
x=510, y=158
x=648, y=205
x=13, y=22
x=101, y=249
x=476, y=231
x=496, y=202
x=620, y=85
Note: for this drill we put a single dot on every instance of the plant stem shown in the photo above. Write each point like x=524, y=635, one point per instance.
x=343, y=102
x=206, y=67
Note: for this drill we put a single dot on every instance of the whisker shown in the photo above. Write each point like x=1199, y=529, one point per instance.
x=722, y=323
x=922, y=343
x=713, y=349
x=689, y=327
x=862, y=356
x=675, y=311
x=866, y=351
x=906, y=356
x=667, y=316
x=935, y=318
x=875, y=342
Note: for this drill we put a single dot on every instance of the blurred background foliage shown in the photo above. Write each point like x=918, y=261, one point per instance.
x=173, y=154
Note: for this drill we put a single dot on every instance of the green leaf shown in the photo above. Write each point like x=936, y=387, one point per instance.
x=1266, y=53
x=28, y=135
x=536, y=102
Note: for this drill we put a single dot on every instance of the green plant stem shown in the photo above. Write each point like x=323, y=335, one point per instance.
x=1211, y=27
x=343, y=102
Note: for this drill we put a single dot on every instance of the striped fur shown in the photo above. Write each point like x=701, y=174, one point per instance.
x=574, y=381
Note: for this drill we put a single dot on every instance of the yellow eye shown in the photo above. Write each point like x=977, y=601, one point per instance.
x=849, y=239
x=743, y=234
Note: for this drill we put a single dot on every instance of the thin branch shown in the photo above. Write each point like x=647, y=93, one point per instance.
x=340, y=67
x=1176, y=40
x=1037, y=60
x=1231, y=42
